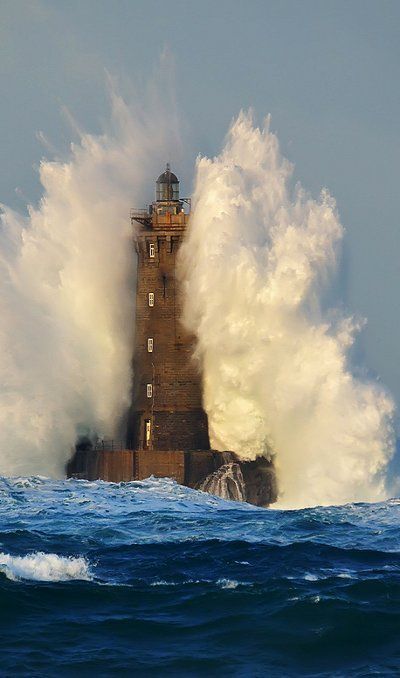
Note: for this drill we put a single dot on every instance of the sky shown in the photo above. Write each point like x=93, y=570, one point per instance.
x=326, y=71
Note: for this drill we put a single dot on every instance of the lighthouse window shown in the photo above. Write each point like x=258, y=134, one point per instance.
x=147, y=432
x=151, y=298
x=152, y=250
x=150, y=345
x=149, y=390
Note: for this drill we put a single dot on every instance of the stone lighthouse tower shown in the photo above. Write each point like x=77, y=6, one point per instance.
x=167, y=411
x=167, y=428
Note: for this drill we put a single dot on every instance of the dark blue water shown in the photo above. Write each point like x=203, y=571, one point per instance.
x=155, y=579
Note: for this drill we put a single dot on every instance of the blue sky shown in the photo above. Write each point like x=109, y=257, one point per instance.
x=326, y=71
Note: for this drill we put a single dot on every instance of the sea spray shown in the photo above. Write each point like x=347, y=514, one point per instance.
x=67, y=275
x=277, y=381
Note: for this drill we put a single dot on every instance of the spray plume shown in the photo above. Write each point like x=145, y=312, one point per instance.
x=67, y=276
x=276, y=375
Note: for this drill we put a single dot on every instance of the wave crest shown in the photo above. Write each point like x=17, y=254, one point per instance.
x=41, y=566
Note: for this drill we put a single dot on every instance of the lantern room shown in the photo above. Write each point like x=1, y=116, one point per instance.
x=167, y=187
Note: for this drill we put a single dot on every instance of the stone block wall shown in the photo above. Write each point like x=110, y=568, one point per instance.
x=167, y=382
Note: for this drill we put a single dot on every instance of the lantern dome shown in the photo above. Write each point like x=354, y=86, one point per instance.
x=167, y=186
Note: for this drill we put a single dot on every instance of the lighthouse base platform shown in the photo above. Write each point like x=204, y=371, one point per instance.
x=219, y=473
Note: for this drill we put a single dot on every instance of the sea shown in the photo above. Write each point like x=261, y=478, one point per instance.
x=154, y=579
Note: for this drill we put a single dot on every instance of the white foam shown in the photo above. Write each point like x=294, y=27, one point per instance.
x=41, y=566
x=227, y=583
x=162, y=582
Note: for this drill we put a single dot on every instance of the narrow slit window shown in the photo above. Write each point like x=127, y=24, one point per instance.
x=151, y=298
x=147, y=432
x=152, y=250
x=149, y=390
x=150, y=344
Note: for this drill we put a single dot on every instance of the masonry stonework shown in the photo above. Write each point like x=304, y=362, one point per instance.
x=167, y=411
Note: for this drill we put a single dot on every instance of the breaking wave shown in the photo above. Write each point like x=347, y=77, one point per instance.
x=277, y=379
x=44, y=567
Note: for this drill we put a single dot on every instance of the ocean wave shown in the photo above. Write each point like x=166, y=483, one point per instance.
x=151, y=565
x=41, y=566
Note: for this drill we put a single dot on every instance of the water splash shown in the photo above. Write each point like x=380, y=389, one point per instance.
x=226, y=482
x=44, y=567
x=67, y=277
x=276, y=375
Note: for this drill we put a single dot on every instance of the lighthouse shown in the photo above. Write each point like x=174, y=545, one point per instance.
x=167, y=411
x=167, y=431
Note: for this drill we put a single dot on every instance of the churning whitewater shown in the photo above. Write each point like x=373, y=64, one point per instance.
x=277, y=381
